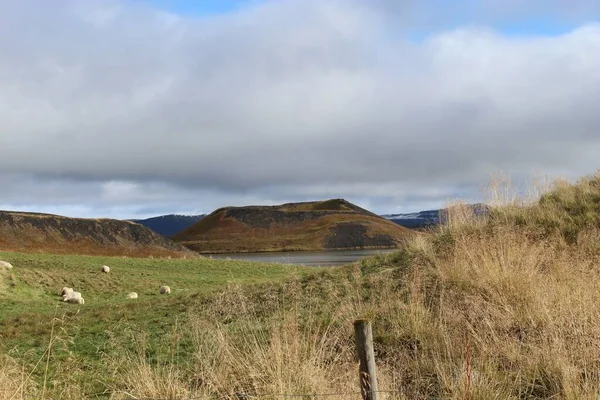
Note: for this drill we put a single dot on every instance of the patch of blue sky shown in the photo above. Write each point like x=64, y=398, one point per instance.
x=538, y=26
x=445, y=15
x=199, y=7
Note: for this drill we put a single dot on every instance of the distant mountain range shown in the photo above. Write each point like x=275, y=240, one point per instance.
x=423, y=219
x=169, y=225
x=415, y=220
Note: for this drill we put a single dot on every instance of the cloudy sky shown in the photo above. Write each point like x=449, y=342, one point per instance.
x=123, y=108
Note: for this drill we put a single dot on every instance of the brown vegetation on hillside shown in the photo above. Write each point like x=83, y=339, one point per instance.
x=323, y=225
x=46, y=233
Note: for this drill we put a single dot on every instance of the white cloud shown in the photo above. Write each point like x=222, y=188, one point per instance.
x=280, y=101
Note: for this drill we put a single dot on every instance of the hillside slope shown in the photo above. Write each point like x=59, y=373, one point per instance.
x=169, y=225
x=34, y=232
x=322, y=225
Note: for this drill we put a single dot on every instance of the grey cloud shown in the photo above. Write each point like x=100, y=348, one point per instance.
x=281, y=101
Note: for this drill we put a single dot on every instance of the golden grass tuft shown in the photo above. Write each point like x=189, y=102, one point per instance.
x=14, y=382
x=289, y=350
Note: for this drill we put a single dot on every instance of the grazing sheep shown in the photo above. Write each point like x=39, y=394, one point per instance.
x=165, y=290
x=71, y=296
x=105, y=269
x=6, y=264
x=65, y=291
x=75, y=300
x=132, y=295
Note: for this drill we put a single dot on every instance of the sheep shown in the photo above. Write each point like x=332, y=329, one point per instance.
x=105, y=269
x=165, y=290
x=65, y=291
x=6, y=264
x=75, y=300
x=71, y=296
x=132, y=295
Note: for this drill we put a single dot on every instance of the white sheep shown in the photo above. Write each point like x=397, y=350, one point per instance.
x=75, y=300
x=165, y=290
x=68, y=297
x=132, y=295
x=6, y=264
x=105, y=269
x=65, y=291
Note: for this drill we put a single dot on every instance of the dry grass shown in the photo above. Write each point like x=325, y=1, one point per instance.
x=287, y=350
x=13, y=379
x=493, y=307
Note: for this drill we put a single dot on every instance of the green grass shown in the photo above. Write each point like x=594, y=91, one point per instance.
x=504, y=302
x=30, y=303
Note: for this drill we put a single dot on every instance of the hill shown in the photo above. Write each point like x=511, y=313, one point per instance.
x=428, y=218
x=169, y=225
x=47, y=233
x=321, y=225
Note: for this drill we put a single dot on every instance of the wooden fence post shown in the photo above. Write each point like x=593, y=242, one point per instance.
x=363, y=335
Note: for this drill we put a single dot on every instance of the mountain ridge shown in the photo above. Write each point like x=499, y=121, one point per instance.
x=169, y=224
x=57, y=234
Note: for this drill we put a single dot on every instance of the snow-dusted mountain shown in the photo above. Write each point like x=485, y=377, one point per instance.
x=419, y=219
x=426, y=218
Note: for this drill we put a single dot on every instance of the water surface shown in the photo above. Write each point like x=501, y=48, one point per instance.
x=309, y=258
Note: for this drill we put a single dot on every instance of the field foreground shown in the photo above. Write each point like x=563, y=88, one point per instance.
x=33, y=317
x=503, y=306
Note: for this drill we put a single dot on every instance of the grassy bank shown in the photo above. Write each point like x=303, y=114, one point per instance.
x=32, y=314
x=503, y=306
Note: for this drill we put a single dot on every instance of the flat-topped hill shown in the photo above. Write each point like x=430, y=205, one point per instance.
x=47, y=233
x=321, y=225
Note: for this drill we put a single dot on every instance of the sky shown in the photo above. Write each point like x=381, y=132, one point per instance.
x=137, y=108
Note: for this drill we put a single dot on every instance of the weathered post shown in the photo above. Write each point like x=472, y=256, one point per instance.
x=363, y=335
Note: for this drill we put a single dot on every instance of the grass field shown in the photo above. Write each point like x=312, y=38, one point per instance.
x=501, y=306
x=31, y=311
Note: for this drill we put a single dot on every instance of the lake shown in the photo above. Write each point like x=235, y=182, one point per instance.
x=309, y=258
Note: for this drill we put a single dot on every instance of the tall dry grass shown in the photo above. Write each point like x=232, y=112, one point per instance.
x=519, y=293
x=20, y=380
x=498, y=306
x=262, y=344
x=14, y=382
